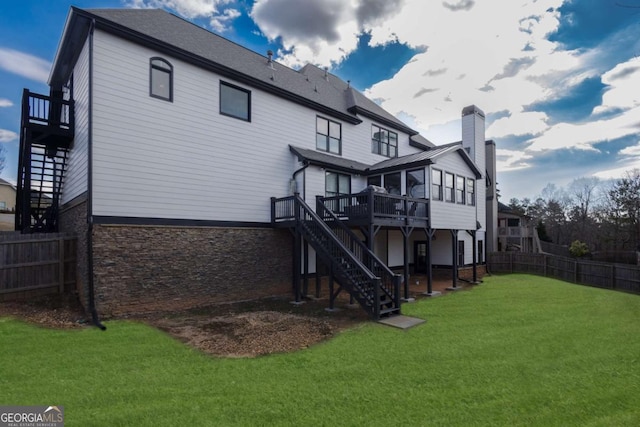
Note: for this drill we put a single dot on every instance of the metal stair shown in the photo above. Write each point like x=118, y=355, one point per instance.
x=45, y=140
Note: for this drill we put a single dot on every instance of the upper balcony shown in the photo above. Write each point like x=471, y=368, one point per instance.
x=523, y=231
x=363, y=209
x=50, y=119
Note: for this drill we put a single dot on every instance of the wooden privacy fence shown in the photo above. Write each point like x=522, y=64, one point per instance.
x=620, y=277
x=36, y=264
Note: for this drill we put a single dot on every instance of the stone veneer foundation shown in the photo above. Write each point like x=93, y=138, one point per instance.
x=73, y=221
x=156, y=268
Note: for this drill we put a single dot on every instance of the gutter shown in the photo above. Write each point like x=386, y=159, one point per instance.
x=92, y=302
x=305, y=164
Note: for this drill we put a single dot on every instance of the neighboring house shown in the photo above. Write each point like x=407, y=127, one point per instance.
x=195, y=171
x=7, y=205
x=515, y=232
x=7, y=196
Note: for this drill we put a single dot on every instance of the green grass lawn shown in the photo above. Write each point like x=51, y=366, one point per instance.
x=517, y=350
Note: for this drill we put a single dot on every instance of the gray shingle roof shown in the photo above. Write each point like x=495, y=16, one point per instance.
x=328, y=160
x=421, y=158
x=181, y=37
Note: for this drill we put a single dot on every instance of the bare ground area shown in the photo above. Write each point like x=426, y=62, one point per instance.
x=241, y=329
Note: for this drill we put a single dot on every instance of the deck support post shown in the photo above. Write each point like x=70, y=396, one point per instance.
x=474, y=251
x=305, y=279
x=406, y=231
x=454, y=261
x=430, y=233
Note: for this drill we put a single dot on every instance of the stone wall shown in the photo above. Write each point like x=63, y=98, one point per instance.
x=73, y=221
x=156, y=268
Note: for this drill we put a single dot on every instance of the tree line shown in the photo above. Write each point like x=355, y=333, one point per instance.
x=604, y=215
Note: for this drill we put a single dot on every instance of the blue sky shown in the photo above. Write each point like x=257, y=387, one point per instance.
x=559, y=80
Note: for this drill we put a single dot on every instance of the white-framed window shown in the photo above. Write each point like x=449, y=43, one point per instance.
x=471, y=192
x=235, y=101
x=161, y=79
x=460, y=189
x=328, y=135
x=449, y=188
x=436, y=184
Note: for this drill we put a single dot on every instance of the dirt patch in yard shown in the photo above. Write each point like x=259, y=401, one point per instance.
x=241, y=329
x=256, y=328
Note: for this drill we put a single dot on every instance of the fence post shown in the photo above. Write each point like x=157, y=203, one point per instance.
x=575, y=271
x=544, y=258
x=510, y=261
x=613, y=276
x=61, y=264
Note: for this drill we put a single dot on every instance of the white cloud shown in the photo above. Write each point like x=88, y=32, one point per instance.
x=5, y=103
x=583, y=136
x=7, y=135
x=219, y=18
x=187, y=8
x=24, y=65
x=633, y=151
x=321, y=32
x=623, y=82
x=221, y=22
x=511, y=160
x=523, y=123
x=619, y=172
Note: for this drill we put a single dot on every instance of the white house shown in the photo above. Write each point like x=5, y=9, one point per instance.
x=194, y=170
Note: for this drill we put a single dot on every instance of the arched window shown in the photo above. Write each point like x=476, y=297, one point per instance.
x=161, y=79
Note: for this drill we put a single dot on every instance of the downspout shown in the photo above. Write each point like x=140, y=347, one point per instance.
x=305, y=164
x=92, y=303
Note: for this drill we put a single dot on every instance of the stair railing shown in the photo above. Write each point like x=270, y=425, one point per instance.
x=390, y=282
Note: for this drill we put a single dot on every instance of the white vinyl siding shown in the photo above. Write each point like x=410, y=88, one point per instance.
x=75, y=179
x=183, y=159
x=447, y=215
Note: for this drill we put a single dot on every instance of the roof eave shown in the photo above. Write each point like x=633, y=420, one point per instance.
x=75, y=31
x=383, y=120
x=135, y=36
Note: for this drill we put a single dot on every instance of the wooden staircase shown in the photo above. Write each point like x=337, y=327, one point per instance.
x=356, y=269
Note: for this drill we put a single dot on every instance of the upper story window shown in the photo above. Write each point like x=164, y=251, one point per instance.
x=460, y=190
x=235, y=101
x=384, y=141
x=471, y=192
x=449, y=194
x=415, y=183
x=328, y=135
x=161, y=79
x=436, y=184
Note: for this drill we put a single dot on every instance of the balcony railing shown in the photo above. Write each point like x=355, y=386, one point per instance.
x=47, y=111
x=374, y=207
x=515, y=231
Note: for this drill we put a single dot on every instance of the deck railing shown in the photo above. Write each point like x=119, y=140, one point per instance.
x=373, y=205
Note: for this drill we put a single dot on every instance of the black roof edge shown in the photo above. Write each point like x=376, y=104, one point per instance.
x=132, y=35
x=358, y=110
x=326, y=165
x=404, y=166
x=419, y=145
x=58, y=77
